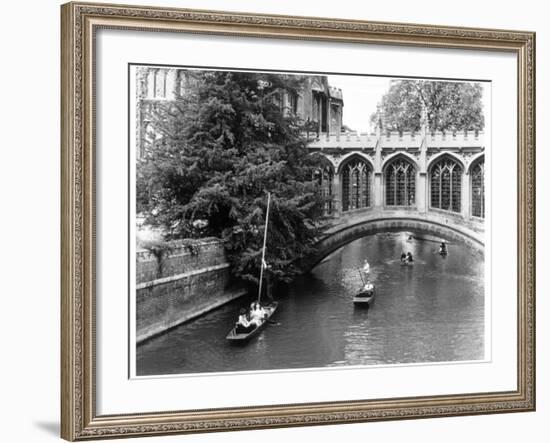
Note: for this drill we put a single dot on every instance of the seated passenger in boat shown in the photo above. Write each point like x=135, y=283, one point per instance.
x=255, y=307
x=243, y=318
x=403, y=257
x=409, y=257
x=368, y=287
x=257, y=313
x=243, y=323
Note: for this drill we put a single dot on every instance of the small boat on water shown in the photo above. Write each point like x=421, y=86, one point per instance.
x=259, y=314
x=241, y=334
x=365, y=296
x=407, y=259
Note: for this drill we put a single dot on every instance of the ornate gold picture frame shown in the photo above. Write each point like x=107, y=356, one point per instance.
x=80, y=23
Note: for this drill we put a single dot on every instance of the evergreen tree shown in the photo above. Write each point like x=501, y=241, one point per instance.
x=450, y=106
x=223, y=145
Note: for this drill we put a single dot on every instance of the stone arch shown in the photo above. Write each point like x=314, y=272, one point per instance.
x=356, y=177
x=439, y=155
x=405, y=156
x=328, y=158
x=429, y=224
x=445, y=183
x=475, y=159
x=399, y=181
x=351, y=157
x=476, y=186
x=324, y=176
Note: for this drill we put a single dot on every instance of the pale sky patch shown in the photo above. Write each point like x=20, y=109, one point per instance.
x=361, y=95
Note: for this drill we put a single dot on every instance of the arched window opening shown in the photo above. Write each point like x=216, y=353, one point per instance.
x=446, y=185
x=324, y=177
x=400, y=183
x=478, y=189
x=356, y=183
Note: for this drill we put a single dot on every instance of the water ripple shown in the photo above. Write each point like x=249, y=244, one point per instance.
x=430, y=312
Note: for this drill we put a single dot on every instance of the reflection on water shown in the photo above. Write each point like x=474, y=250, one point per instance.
x=430, y=312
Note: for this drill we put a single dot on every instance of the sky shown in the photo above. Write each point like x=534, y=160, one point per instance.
x=361, y=95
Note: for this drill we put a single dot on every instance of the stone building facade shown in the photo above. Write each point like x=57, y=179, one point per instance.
x=409, y=172
x=317, y=103
x=155, y=86
x=320, y=104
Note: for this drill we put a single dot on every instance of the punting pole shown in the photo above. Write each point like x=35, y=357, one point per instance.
x=361, y=275
x=263, y=248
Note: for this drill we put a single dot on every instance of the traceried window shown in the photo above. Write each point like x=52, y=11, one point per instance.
x=356, y=179
x=324, y=177
x=478, y=189
x=400, y=183
x=446, y=185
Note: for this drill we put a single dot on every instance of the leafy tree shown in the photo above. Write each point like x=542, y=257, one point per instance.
x=222, y=146
x=450, y=106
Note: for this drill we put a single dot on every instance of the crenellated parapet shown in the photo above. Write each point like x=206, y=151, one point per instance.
x=466, y=145
x=394, y=138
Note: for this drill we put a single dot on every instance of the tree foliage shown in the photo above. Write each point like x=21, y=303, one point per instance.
x=223, y=146
x=450, y=106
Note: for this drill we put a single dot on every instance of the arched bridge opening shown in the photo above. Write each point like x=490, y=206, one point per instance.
x=340, y=234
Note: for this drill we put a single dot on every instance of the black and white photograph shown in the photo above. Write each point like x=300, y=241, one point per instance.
x=283, y=220
x=305, y=220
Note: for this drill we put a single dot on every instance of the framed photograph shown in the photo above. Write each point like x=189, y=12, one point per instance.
x=281, y=221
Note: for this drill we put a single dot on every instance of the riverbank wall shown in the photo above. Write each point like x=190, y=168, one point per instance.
x=178, y=281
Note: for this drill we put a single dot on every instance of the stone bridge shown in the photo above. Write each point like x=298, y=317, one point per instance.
x=340, y=231
x=427, y=182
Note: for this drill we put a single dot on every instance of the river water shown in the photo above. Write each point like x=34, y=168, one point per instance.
x=430, y=312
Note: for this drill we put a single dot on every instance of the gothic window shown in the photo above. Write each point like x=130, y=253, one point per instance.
x=324, y=177
x=445, y=185
x=400, y=183
x=356, y=179
x=478, y=189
